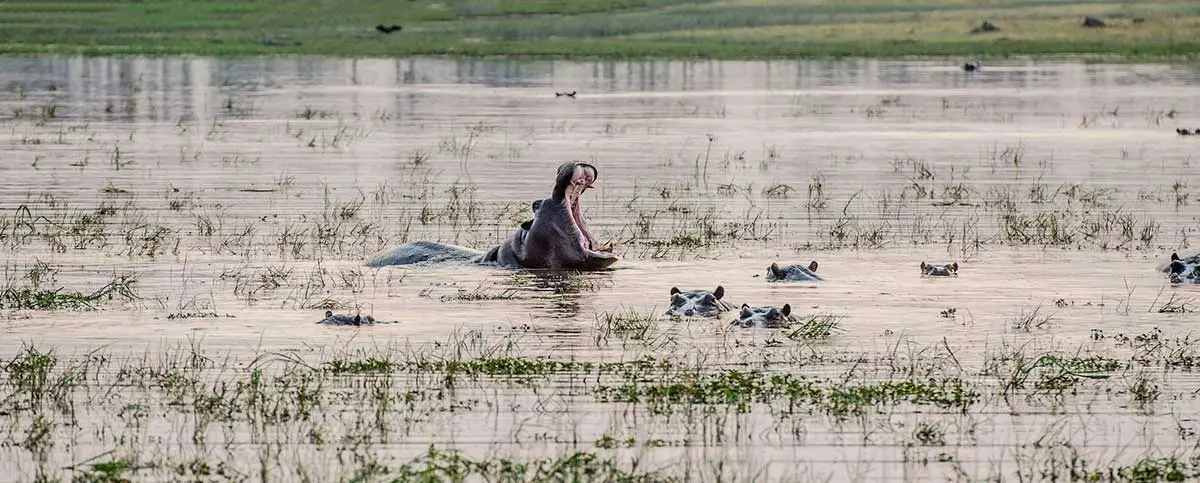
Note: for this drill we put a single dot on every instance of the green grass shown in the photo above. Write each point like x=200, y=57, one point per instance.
x=732, y=29
x=34, y=298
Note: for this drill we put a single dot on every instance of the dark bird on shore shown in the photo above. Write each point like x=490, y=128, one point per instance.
x=984, y=28
x=1092, y=22
x=567, y=94
x=387, y=30
x=972, y=66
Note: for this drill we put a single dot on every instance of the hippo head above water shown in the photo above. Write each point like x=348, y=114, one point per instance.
x=793, y=273
x=697, y=303
x=1184, y=270
x=947, y=270
x=343, y=319
x=765, y=317
x=558, y=237
x=356, y=319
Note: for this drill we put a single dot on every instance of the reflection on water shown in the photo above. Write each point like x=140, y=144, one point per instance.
x=254, y=189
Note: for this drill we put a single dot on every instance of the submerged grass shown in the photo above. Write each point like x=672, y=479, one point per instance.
x=816, y=327
x=740, y=29
x=740, y=390
x=354, y=402
x=32, y=297
x=452, y=465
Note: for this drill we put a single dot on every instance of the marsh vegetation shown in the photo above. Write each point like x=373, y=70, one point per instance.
x=172, y=229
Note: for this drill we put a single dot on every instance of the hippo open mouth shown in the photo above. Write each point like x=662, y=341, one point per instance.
x=556, y=238
x=578, y=178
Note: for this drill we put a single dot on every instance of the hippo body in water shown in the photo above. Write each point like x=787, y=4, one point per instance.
x=698, y=303
x=793, y=273
x=765, y=317
x=343, y=319
x=1183, y=270
x=931, y=270
x=557, y=238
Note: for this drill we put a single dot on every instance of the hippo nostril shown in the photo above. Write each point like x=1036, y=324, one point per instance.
x=689, y=312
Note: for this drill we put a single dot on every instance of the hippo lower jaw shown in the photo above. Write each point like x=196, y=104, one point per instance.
x=595, y=257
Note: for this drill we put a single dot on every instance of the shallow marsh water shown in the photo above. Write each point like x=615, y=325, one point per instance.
x=244, y=196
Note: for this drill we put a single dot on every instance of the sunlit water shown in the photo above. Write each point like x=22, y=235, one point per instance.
x=868, y=167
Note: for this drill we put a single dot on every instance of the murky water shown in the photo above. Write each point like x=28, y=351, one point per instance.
x=255, y=189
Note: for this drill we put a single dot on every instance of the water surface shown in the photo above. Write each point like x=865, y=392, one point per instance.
x=257, y=188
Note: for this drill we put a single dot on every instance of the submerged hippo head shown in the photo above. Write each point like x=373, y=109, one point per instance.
x=343, y=319
x=558, y=236
x=928, y=269
x=765, y=317
x=697, y=303
x=1184, y=270
x=356, y=319
x=793, y=273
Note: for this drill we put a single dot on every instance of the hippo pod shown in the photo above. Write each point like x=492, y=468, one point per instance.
x=697, y=303
x=343, y=319
x=557, y=238
x=765, y=317
x=1183, y=269
x=793, y=273
x=931, y=270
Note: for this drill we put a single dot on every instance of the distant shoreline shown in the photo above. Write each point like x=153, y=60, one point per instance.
x=1165, y=30
x=1175, y=53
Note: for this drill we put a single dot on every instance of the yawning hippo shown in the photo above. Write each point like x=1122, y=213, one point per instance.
x=556, y=238
x=793, y=273
x=698, y=303
x=765, y=317
x=947, y=270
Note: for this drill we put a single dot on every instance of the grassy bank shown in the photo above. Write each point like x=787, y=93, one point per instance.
x=732, y=29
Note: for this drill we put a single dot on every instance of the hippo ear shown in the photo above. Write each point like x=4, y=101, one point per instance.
x=328, y=314
x=719, y=292
x=813, y=266
x=787, y=310
x=1174, y=256
x=774, y=268
x=923, y=266
x=953, y=267
x=674, y=290
x=536, y=204
x=746, y=313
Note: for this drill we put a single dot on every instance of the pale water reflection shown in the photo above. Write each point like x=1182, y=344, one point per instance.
x=246, y=194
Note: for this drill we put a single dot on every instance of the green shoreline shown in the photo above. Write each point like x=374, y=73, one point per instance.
x=1159, y=30
x=659, y=51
